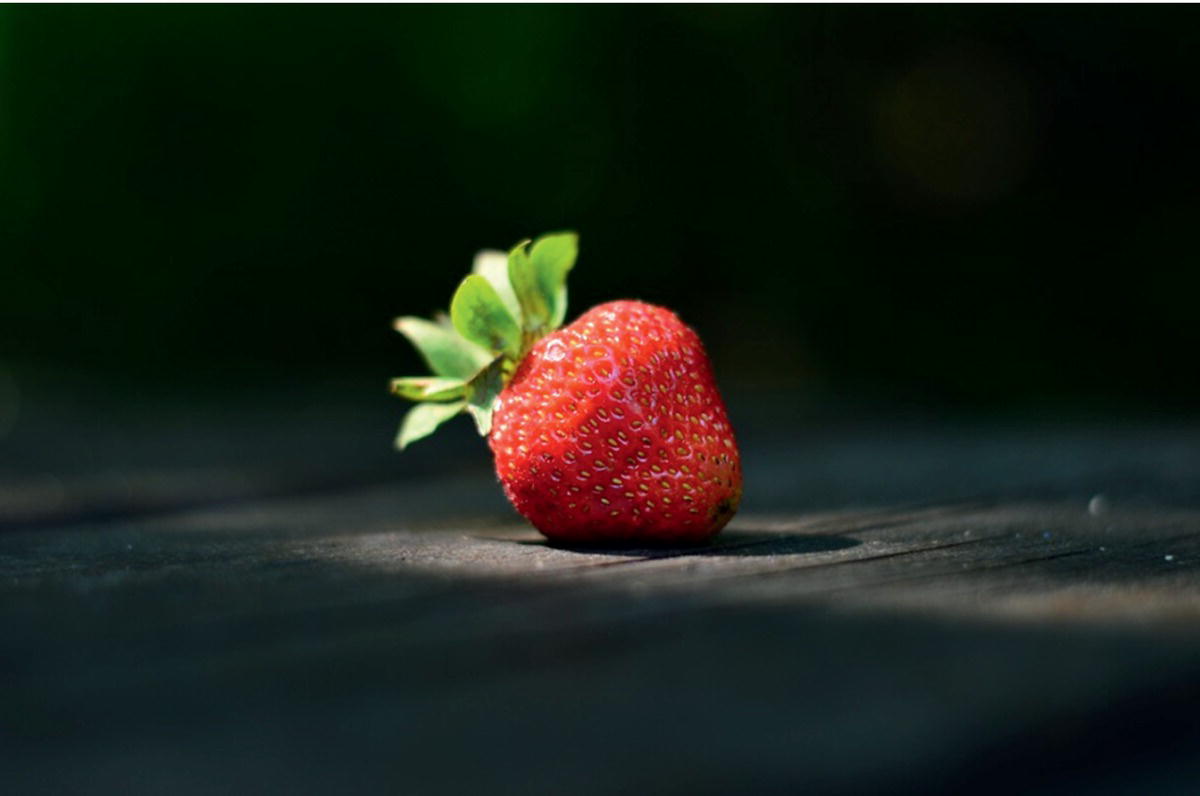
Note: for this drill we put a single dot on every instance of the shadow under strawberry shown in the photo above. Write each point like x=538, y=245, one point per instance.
x=737, y=543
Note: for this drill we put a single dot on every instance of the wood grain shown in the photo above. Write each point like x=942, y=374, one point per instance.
x=985, y=633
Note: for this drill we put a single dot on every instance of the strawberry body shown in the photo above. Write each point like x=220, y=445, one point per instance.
x=612, y=430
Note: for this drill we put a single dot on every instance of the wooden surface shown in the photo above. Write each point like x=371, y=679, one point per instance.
x=228, y=604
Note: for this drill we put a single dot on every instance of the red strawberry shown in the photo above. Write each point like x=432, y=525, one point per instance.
x=608, y=430
x=612, y=428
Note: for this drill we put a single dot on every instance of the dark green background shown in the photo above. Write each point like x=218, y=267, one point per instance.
x=948, y=207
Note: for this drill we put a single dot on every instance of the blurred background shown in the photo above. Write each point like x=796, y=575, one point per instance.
x=948, y=209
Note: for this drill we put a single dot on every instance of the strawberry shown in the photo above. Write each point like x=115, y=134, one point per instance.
x=608, y=430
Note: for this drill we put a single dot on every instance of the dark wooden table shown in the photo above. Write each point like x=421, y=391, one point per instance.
x=204, y=601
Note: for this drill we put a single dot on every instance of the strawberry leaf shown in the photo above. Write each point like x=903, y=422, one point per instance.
x=423, y=419
x=443, y=349
x=480, y=316
x=492, y=265
x=429, y=388
x=534, y=309
x=552, y=257
x=498, y=311
x=538, y=275
x=482, y=393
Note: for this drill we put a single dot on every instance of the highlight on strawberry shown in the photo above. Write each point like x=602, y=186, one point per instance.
x=609, y=430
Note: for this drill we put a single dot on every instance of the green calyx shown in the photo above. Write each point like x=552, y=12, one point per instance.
x=505, y=305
